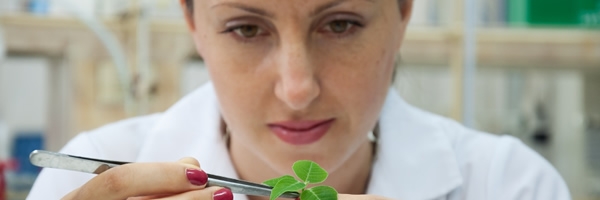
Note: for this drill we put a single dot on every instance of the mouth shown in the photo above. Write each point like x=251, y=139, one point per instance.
x=301, y=132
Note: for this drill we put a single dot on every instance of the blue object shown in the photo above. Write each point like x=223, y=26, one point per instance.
x=39, y=6
x=24, y=144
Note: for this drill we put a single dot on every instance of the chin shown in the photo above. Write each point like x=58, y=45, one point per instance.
x=329, y=160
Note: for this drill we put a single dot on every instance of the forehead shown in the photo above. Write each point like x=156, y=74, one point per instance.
x=301, y=3
x=287, y=6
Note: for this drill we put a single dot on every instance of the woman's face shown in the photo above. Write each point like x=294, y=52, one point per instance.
x=299, y=79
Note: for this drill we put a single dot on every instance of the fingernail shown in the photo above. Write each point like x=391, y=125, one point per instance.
x=196, y=177
x=223, y=194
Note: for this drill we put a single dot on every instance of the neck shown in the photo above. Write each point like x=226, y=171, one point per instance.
x=351, y=178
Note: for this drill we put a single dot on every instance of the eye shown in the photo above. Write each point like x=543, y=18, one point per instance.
x=339, y=26
x=248, y=31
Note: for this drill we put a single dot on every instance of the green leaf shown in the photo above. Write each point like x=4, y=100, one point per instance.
x=309, y=171
x=284, y=184
x=273, y=182
x=319, y=193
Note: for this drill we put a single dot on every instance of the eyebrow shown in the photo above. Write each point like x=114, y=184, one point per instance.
x=263, y=12
x=330, y=5
x=246, y=8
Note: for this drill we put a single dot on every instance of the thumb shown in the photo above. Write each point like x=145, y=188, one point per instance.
x=189, y=161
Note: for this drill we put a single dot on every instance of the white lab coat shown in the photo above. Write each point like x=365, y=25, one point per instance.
x=420, y=156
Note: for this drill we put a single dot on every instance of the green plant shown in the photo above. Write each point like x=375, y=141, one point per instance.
x=308, y=172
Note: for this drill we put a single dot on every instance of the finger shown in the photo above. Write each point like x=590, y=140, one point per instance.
x=211, y=193
x=143, y=179
x=190, y=161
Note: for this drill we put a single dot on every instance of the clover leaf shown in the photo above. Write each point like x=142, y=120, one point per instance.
x=310, y=173
x=319, y=193
x=286, y=185
x=273, y=182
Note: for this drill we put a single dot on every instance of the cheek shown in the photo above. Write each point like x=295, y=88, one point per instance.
x=362, y=72
x=242, y=86
x=240, y=92
x=366, y=61
x=358, y=77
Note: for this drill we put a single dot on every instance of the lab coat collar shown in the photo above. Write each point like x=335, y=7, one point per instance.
x=415, y=159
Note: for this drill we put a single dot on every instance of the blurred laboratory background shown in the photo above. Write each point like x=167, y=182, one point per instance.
x=527, y=68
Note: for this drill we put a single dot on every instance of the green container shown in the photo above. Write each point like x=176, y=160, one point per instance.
x=580, y=13
x=517, y=12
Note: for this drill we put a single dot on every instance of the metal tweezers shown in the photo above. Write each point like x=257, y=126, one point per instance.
x=96, y=166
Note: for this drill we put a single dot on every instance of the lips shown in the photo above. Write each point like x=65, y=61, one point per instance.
x=301, y=132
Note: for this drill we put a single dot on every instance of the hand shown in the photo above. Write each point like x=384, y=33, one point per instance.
x=178, y=180
x=360, y=197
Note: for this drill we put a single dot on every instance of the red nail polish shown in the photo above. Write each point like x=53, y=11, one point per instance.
x=196, y=177
x=223, y=194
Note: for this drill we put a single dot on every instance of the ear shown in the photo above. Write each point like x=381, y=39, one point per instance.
x=188, y=14
x=406, y=7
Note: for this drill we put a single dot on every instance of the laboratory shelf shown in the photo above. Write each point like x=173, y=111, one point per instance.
x=543, y=47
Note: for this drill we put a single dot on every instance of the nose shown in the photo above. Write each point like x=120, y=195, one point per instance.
x=297, y=85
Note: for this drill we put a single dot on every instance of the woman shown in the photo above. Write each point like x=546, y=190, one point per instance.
x=301, y=79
